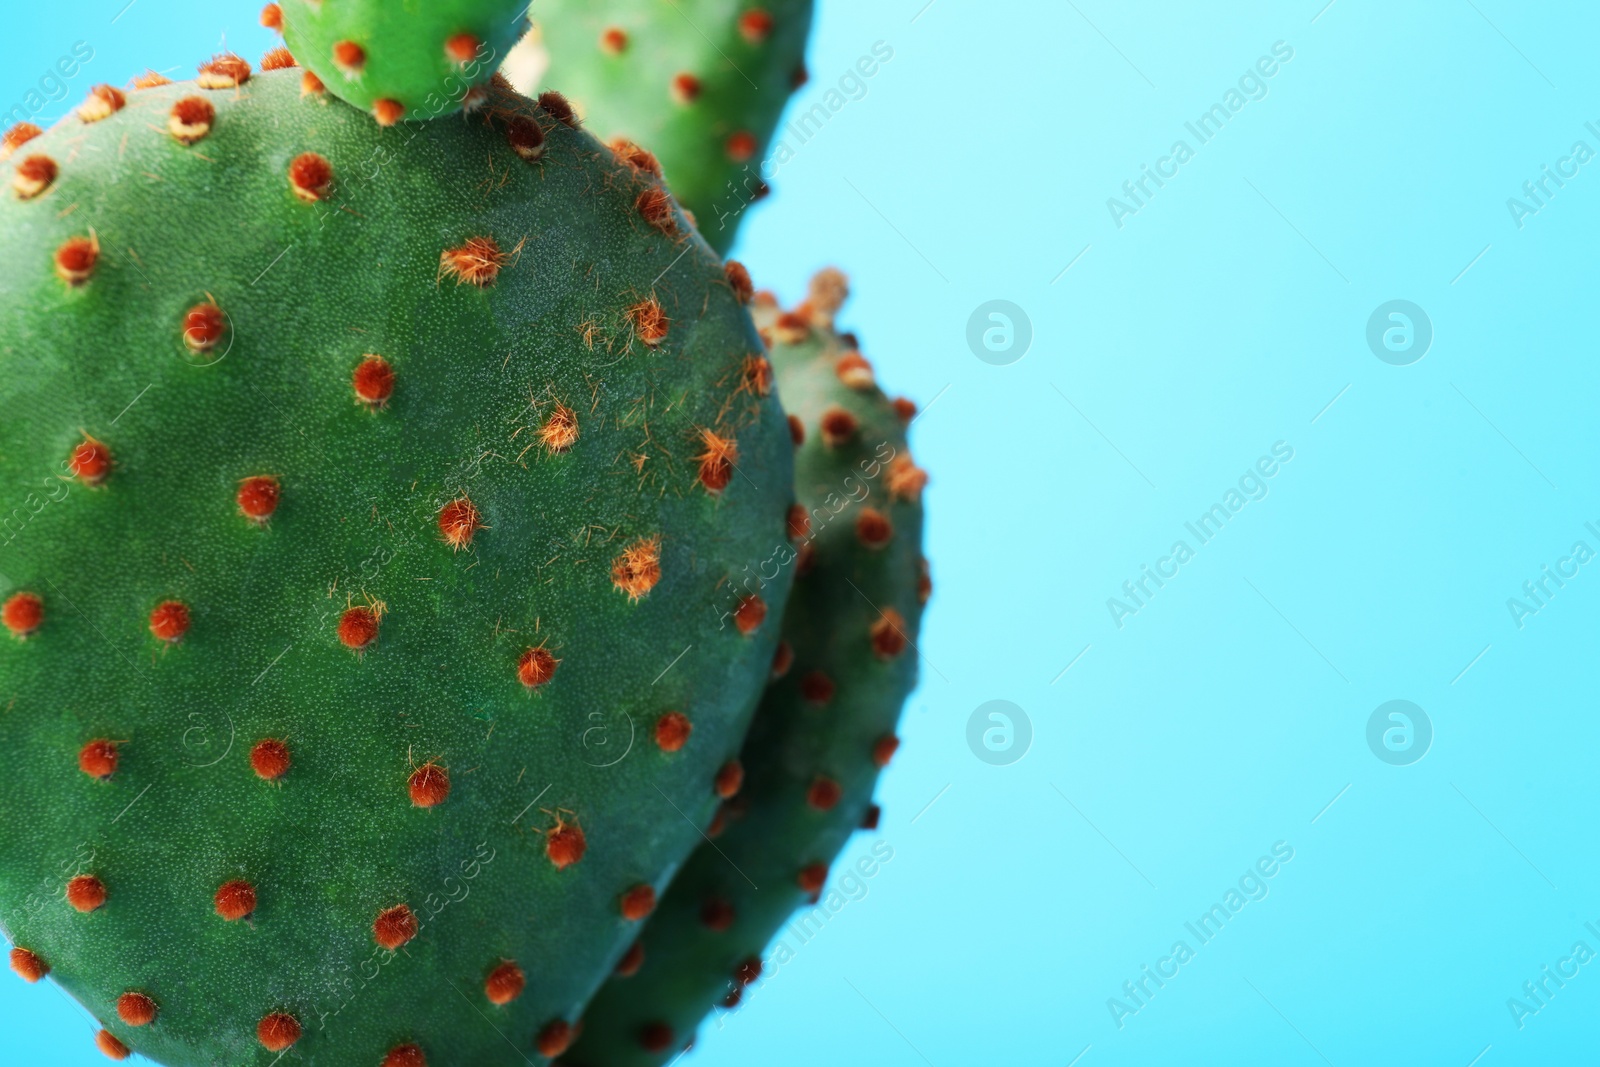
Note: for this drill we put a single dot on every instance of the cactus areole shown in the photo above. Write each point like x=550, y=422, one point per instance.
x=358, y=524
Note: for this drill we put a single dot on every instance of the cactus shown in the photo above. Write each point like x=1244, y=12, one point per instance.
x=702, y=84
x=400, y=61
x=360, y=489
x=825, y=727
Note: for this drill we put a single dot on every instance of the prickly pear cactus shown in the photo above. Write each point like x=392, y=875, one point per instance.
x=701, y=83
x=367, y=500
x=401, y=61
x=825, y=728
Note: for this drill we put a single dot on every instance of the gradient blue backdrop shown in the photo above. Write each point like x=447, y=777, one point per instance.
x=1227, y=314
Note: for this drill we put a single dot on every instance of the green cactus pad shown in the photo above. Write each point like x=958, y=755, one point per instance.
x=701, y=83
x=365, y=501
x=401, y=61
x=825, y=727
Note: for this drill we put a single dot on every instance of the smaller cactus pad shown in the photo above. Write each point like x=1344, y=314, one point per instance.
x=400, y=61
x=701, y=83
x=825, y=729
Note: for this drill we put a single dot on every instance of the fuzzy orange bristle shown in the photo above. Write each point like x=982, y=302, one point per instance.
x=637, y=570
x=75, y=259
x=635, y=158
x=394, y=927
x=90, y=462
x=458, y=521
x=102, y=102
x=203, y=327
x=373, y=381
x=98, y=759
x=655, y=206
x=16, y=137
x=428, y=785
x=559, y=108
x=738, y=276
x=565, y=844
x=270, y=759
x=650, y=322
x=225, y=71
x=559, y=431
x=279, y=58
x=235, y=901
x=169, y=621
x=33, y=176
x=358, y=627
x=278, y=1031
x=191, y=119
x=478, y=262
x=536, y=667
x=310, y=176
x=716, y=460
x=757, y=374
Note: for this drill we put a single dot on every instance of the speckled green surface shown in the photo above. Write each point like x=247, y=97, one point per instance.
x=309, y=289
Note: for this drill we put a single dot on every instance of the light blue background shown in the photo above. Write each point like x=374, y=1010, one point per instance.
x=1225, y=716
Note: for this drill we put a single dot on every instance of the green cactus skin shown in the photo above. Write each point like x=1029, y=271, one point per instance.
x=402, y=60
x=829, y=718
x=745, y=57
x=130, y=250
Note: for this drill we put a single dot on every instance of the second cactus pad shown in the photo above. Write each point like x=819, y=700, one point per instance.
x=369, y=495
x=826, y=726
x=700, y=83
x=401, y=61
